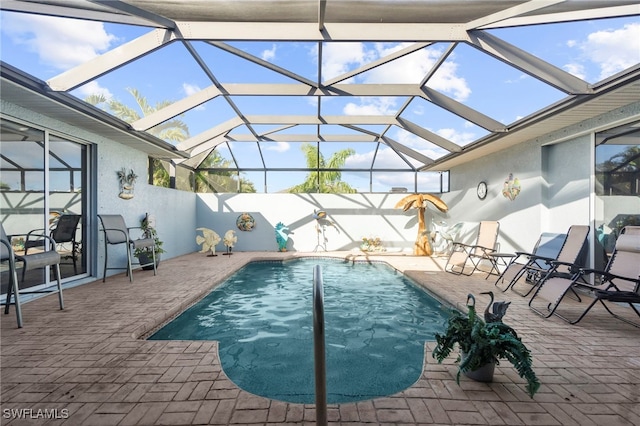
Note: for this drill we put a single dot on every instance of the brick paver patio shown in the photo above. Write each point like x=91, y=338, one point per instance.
x=87, y=365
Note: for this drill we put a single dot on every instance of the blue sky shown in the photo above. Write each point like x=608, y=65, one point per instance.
x=593, y=50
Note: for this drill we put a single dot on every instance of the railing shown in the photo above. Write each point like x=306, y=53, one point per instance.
x=318, y=347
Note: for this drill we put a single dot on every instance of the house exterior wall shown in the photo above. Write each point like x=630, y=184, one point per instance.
x=174, y=211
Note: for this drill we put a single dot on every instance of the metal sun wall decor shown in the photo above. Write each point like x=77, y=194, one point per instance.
x=511, y=187
x=127, y=180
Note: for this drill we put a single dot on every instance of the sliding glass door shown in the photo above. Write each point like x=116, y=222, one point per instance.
x=617, y=186
x=41, y=192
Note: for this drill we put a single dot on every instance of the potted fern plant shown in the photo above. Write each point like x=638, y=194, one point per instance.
x=482, y=345
x=144, y=255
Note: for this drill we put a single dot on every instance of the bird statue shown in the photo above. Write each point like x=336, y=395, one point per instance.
x=319, y=214
x=209, y=239
x=498, y=309
x=229, y=240
x=422, y=246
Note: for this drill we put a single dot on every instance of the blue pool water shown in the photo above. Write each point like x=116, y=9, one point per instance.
x=376, y=324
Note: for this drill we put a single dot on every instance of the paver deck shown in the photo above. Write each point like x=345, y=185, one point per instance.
x=87, y=365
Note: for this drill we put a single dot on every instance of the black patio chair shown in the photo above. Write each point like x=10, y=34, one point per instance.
x=64, y=232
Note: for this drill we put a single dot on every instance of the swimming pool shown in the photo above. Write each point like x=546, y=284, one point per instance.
x=376, y=323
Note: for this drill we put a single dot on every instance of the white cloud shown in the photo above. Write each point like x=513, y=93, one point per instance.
x=517, y=80
x=372, y=106
x=414, y=67
x=277, y=146
x=447, y=81
x=338, y=58
x=269, y=54
x=614, y=50
x=59, y=42
x=418, y=110
x=190, y=89
x=576, y=69
x=93, y=88
x=456, y=137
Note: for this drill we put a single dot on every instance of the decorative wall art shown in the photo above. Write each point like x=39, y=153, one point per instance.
x=245, y=222
x=422, y=246
x=127, y=181
x=209, y=239
x=282, y=236
x=511, y=187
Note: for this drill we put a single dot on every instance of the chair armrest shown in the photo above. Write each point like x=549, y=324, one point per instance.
x=125, y=233
x=33, y=231
x=486, y=250
x=52, y=242
x=608, y=275
x=549, y=260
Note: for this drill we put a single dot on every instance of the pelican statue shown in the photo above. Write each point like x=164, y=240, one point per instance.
x=422, y=246
x=498, y=309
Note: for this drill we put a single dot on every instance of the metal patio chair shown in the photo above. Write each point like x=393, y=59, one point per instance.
x=531, y=264
x=572, y=255
x=116, y=232
x=619, y=283
x=63, y=233
x=464, y=254
x=48, y=257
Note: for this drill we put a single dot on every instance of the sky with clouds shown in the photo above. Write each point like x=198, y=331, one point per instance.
x=592, y=51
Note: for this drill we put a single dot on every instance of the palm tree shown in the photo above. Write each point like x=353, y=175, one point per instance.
x=328, y=182
x=618, y=174
x=174, y=130
x=219, y=181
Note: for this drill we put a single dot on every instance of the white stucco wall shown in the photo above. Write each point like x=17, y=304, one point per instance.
x=350, y=217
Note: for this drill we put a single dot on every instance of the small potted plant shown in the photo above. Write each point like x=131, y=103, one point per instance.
x=144, y=255
x=482, y=345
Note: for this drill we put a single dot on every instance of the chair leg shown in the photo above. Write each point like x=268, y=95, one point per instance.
x=16, y=295
x=60, y=299
x=619, y=317
x=551, y=308
x=9, y=292
x=106, y=256
x=129, y=267
x=153, y=254
x=74, y=257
